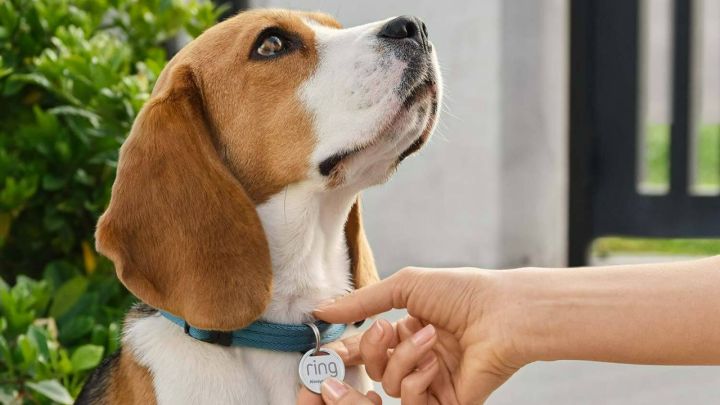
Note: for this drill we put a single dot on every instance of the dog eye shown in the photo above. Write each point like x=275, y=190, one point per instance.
x=271, y=46
x=274, y=42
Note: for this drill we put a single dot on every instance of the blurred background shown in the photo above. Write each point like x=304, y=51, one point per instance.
x=574, y=132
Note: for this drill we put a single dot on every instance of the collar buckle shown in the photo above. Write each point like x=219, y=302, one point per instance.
x=213, y=336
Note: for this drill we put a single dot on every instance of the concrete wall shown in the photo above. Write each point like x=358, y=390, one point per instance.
x=533, y=133
x=489, y=189
x=708, y=61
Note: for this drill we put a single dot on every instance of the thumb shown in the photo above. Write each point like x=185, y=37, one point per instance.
x=364, y=302
x=336, y=392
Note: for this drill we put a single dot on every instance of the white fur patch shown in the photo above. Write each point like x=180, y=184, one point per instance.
x=352, y=97
x=304, y=226
x=351, y=91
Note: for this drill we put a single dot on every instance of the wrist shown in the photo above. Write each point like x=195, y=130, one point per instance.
x=527, y=305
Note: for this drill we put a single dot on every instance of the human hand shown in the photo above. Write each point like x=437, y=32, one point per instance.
x=490, y=323
x=471, y=341
x=400, y=355
x=336, y=392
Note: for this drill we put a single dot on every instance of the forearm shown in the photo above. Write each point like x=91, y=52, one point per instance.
x=651, y=314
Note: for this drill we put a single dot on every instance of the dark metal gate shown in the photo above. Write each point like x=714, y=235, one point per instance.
x=603, y=125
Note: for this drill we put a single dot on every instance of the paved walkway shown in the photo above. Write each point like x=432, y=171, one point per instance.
x=588, y=383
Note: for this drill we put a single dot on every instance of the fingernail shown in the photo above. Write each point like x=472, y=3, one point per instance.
x=423, y=335
x=334, y=388
x=322, y=305
x=428, y=361
x=376, y=332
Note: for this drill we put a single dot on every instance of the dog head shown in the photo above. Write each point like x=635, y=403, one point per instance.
x=261, y=101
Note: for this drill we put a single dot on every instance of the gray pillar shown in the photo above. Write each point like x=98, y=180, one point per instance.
x=533, y=134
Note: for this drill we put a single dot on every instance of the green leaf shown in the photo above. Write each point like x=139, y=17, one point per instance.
x=64, y=365
x=86, y=357
x=28, y=349
x=40, y=337
x=93, y=118
x=113, y=337
x=99, y=335
x=51, y=389
x=31, y=361
x=53, y=182
x=67, y=295
x=58, y=271
x=6, y=355
x=76, y=328
x=33, y=78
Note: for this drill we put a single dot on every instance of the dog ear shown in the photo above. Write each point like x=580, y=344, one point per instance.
x=362, y=263
x=182, y=232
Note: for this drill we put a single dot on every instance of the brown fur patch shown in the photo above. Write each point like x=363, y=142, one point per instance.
x=181, y=230
x=263, y=131
x=362, y=262
x=130, y=383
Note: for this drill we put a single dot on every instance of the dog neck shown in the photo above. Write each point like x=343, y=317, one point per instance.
x=304, y=227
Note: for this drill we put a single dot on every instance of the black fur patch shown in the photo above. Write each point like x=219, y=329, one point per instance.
x=95, y=390
x=140, y=310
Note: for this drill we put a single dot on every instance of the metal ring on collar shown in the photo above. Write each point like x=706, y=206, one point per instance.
x=316, y=331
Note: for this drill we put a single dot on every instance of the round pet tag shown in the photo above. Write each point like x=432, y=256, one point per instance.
x=315, y=367
x=319, y=363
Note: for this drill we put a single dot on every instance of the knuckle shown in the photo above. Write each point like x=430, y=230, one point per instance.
x=340, y=346
x=401, y=363
x=351, y=398
x=370, y=356
x=375, y=374
x=408, y=386
x=405, y=355
x=390, y=388
x=367, y=347
x=406, y=272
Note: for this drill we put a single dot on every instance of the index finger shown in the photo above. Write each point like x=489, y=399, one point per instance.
x=363, y=303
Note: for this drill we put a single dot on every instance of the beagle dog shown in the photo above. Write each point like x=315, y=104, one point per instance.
x=236, y=197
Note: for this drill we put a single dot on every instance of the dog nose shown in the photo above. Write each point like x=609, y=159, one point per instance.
x=403, y=27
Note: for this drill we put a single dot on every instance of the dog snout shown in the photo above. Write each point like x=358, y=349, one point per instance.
x=406, y=27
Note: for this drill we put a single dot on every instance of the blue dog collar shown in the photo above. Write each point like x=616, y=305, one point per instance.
x=265, y=335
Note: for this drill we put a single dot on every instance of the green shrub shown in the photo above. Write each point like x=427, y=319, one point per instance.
x=73, y=75
x=52, y=335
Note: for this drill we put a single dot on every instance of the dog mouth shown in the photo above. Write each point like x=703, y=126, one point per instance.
x=426, y=87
